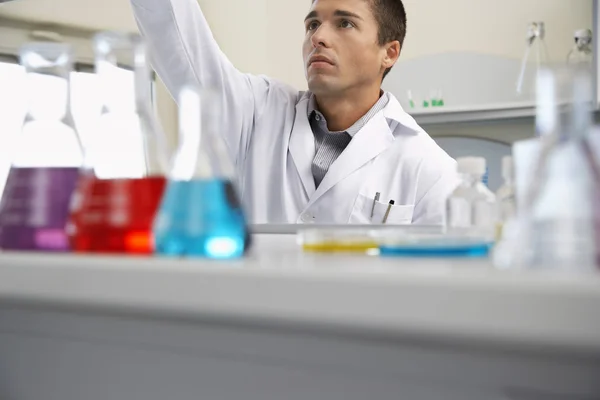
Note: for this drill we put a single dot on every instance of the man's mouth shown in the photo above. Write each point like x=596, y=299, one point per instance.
x=320, y=61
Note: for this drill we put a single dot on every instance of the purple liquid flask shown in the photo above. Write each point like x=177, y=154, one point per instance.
x=47, y=155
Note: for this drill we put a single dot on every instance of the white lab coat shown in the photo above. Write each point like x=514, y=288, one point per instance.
x=267, y=130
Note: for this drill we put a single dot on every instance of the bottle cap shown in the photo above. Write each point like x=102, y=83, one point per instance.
x=471, y=165
x=584, y=35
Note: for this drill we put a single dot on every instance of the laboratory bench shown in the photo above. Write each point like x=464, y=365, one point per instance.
x=283, y=324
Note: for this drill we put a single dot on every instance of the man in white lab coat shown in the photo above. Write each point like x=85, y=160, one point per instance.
x=319, y=156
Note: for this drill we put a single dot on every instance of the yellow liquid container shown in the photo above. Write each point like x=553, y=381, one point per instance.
x=340, y=247
x=360, y=241
x=366, y=240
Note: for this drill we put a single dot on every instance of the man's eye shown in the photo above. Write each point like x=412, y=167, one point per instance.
x=346, y=24
x=312, y=26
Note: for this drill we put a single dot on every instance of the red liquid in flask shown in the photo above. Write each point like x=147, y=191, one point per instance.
x=115, y=215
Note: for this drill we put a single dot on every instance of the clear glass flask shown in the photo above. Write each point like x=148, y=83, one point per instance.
x=124, y=180
x=471, y=208
x=555, y=227
x=535, y=57
x=201, y=215
x=47, y=155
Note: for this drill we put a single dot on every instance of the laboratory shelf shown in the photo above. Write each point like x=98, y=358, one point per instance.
x=481, y=113
x=477, y=113
x=286, y=324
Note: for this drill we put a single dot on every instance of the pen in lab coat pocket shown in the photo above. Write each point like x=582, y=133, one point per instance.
x=387, y=213
x=375, y=200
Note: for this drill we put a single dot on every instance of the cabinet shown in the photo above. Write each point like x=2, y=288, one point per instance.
x=472, y=51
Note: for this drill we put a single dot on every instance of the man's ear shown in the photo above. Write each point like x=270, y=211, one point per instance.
x=392, y=53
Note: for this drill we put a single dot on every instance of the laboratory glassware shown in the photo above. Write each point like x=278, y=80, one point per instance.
x=201, y=215
x=47, y=155
x=119, y=192
x=555, y=227
x=471, y=208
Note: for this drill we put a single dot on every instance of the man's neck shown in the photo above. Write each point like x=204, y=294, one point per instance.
x=343, y=112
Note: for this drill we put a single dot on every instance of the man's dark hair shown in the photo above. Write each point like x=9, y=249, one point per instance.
x=391, y=18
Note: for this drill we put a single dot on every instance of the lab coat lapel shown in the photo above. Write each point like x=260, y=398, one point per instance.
x=302, y=146
x=368, y=143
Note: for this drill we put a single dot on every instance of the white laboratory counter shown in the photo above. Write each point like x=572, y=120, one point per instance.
x=286, y=325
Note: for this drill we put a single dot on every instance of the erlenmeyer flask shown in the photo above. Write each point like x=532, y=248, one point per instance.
x=535, y=57
x=201, y=215
x=120, y=190
x=555, y=228
x=47, y=155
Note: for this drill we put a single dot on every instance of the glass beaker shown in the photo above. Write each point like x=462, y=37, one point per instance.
x=47, y=155
x=201, y=215
x=123, y=183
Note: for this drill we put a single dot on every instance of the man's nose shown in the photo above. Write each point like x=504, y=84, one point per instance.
x=320, y=37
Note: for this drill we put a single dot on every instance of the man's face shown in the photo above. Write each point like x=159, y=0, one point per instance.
x=341, y=49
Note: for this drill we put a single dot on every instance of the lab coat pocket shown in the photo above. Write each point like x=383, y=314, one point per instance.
x=363, y=208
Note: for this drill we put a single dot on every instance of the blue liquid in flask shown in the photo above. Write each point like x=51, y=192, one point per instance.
x=201, y=218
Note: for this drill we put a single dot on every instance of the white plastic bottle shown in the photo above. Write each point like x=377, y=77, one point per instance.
x=471, y=208
x=582, y=52
x=505, y=196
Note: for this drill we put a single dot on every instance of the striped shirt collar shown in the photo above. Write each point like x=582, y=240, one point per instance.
x=358, y=125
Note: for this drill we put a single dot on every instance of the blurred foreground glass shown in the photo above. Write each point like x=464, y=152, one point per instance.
x=201, y=215
x=555, y=225
x=35, y=202
x=124, y=179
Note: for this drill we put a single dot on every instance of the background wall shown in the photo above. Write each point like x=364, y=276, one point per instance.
x=265, y=36
x=491, y=26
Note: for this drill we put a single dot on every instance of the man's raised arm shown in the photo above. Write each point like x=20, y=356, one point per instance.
x=183, y=50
